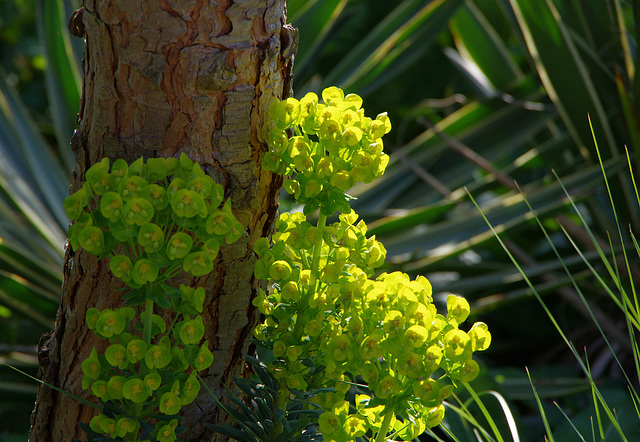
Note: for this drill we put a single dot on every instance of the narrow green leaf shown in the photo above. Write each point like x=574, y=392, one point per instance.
x=53, y=387
x=477, y=40
x=395, y=30
x=316, y=18
x=62, y=75
x=494, y=129
x=541, y=410
x=31, y=164
x=562, y=70
x=406, y=52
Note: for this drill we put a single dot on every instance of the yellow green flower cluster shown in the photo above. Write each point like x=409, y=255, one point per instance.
x=134, y=375
x=152, y=220
x=325, y=309
x=334, y=147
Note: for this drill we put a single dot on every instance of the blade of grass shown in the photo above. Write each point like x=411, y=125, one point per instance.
x=595, y=402
x=612, y=273
x=463, y=412
x=571, y=347
x=635, y=188
x=485, y=412
x=543, y=414
x=508, y=415
x=53, y=387
x=569, y=421
x=596, y=316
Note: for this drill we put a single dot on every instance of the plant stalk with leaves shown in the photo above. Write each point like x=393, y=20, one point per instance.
x=152, y=220
x=328, y=323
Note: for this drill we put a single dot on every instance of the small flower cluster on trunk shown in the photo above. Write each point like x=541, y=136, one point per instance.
x=152, y=220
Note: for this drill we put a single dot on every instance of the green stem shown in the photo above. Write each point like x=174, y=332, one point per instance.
x=281, y=404
x=317, y=248
x=147, y=321
x=282, y=400
x=384, y=428
x=315, y=268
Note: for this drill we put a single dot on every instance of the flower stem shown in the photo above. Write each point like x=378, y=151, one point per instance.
x=147, y=321
x=317, y=248
x=384, y=428
x=281, y=404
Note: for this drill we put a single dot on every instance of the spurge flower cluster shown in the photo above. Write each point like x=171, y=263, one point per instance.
x=326, y=309
x=152, y=220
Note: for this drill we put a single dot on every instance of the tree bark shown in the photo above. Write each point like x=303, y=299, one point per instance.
x=163, y=77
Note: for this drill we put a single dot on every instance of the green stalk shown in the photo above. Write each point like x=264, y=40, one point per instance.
x=147, y=321
x=281, y=401
x=317, y=248
x=384, y=428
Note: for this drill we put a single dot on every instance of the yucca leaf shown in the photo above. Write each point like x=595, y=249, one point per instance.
x=477, y=40
x=408, y=47
x=62, y=74
x=377, y=48
x=494, y=129
x=38, y=182
x=403, y=219
x=316, y=18
x=562, y=69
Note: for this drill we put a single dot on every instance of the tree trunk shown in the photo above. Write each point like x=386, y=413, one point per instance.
x=163, y=77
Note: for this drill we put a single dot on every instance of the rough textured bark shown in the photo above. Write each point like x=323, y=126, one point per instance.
x=163, y=77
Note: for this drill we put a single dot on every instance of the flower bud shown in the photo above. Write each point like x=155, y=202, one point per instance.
x=179, y=245
x=116, y=355
x=135, y=390
x=169, y=404
x=458, y=308
x=280, y=270
x=457, y=345
x=92, y=239
x=480, y=336
x=114, y=386
x=427, y=390
x=198, y=263
x=388, y=387
x=156, y=195
x=131, y=187
x=137, y=211
x=144, y=271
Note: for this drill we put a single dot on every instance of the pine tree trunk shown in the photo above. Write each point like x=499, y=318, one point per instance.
x=163, y=77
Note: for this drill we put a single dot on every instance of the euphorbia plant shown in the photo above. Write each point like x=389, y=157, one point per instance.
x=328, y=322
x=151, y=220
